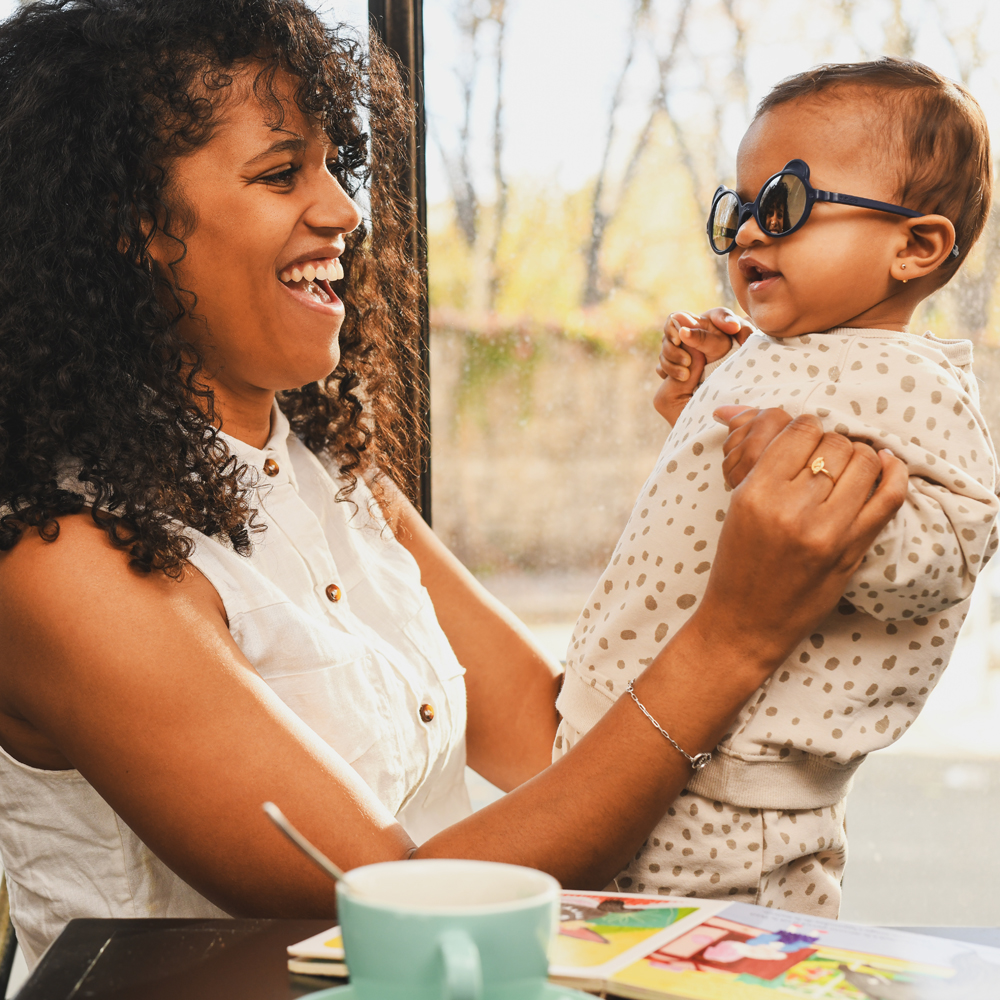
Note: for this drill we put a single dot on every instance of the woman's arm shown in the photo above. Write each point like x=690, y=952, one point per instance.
x=136, y=681
x=786, y=551
x=512, y=686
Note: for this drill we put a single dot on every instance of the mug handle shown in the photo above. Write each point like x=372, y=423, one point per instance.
x=463, y=973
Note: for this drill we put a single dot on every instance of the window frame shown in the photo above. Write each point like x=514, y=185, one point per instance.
x=400, y=25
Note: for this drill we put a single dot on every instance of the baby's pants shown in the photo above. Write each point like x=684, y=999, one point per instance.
x=792, y=860
x=788, y=859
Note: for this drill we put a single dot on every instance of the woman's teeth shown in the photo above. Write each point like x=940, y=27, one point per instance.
x=329, y=270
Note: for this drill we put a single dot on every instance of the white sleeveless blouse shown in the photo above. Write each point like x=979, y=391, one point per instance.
x=330, y=611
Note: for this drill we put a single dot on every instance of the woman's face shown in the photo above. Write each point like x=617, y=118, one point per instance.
x=267, y=221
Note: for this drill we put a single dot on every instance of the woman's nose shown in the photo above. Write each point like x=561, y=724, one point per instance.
x=333, y=207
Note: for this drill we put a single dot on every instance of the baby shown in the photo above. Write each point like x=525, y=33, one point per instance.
x=860, y=189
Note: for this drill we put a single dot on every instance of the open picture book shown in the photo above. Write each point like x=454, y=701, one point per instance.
x=653, y=947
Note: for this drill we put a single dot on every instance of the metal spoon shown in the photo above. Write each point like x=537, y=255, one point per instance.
x=316, y=856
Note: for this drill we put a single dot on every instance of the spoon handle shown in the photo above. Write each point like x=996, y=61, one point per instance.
x=318, y=858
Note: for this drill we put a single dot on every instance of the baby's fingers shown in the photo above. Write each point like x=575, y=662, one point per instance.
x=726, y=321
x=674, y=361
x=723, y=319
x=713, y=343
x=674, y=355
x=676, y=321
x=674, y=393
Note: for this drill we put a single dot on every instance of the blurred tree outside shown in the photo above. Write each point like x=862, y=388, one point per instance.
x=541, y=293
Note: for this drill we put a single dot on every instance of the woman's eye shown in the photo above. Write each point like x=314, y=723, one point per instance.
x=282, y=179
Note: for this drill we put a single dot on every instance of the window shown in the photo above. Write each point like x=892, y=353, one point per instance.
x=573, y=148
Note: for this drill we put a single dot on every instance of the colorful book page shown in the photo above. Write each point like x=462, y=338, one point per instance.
x=602, y=932
x=770, y=953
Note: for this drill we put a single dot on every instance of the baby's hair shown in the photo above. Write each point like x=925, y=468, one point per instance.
x=934, y=132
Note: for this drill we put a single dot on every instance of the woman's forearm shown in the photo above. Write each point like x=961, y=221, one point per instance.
x=512, y=685
x=587, y=814
x=784, y=557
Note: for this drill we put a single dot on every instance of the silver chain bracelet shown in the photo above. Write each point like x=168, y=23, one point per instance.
x=697, y=762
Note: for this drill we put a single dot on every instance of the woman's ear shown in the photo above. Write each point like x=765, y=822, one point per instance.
x=929, y=243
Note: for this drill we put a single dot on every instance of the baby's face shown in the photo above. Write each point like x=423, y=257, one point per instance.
x=835, y=270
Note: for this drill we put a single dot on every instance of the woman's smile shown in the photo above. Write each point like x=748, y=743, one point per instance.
x=309, y=283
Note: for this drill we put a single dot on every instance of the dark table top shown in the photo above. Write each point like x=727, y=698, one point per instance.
x=213, y=959
x=174, y=959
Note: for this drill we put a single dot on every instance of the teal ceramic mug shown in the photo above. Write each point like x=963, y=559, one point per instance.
x=448, y=930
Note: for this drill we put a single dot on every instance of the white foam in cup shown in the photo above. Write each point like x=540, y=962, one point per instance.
x=443, y=884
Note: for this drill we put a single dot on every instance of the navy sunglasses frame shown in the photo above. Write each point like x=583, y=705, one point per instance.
x=800, y=169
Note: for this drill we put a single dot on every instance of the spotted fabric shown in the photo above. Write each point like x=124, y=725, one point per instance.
x=859, y=681
x=791, y=860
x=788, y=859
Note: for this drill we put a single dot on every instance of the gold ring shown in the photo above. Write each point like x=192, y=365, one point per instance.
x=818, y=465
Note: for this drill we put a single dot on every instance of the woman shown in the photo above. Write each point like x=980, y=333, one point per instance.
x=212, y=593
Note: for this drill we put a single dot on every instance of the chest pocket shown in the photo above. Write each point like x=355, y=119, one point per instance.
x=328, y=678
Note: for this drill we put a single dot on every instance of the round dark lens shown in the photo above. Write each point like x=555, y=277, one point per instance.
x=782, y=204
x=725, y=222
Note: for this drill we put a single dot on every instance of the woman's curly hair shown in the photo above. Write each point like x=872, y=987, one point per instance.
x=96, y=386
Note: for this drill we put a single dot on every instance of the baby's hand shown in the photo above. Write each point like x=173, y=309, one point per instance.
x=711, y=334
x=706, y=338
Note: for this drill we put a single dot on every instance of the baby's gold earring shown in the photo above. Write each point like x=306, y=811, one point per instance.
x=902, y=267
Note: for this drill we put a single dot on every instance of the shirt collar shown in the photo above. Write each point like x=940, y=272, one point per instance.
x=272, y=463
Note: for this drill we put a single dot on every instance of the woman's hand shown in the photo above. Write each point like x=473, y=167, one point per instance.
x=689, y=343
x=750, y=431
x=792, y=537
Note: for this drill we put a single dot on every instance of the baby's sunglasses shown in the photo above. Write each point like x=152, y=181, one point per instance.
x=782, y=207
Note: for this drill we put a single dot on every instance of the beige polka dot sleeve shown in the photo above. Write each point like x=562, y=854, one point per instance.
x=925, y=408
x=861, y=679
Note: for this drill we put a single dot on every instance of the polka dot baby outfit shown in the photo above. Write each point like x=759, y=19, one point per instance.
x=764, y=820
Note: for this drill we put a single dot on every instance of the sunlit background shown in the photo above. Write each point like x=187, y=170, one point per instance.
x=573, y=146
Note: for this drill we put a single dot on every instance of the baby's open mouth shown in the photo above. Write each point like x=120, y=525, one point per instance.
x=754, y=272
x=313, y=278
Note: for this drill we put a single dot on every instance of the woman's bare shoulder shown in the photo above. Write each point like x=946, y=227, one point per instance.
x=75, y=615
x=77, y=576
x=72, y=537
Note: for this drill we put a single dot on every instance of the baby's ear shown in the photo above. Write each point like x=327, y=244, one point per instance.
x=929, y=247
